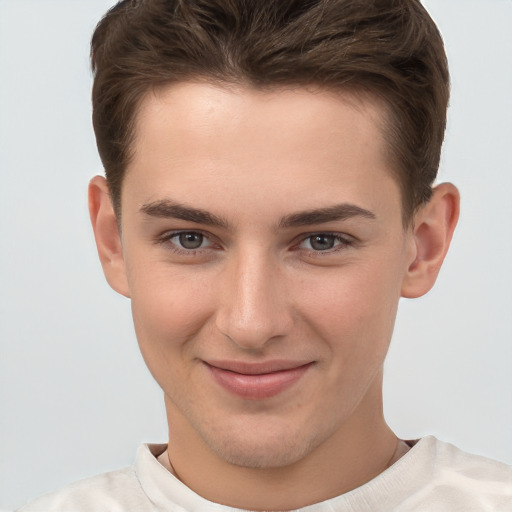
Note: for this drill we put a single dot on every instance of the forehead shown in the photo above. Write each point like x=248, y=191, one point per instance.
x=197, y=111
x=217, y=141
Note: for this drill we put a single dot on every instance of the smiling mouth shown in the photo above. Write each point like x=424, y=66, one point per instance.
x=257, y=381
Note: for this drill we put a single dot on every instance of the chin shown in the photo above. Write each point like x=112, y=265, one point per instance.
x=262, y=448
x=256, y=456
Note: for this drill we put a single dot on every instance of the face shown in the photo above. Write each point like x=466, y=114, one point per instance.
x=264, y=253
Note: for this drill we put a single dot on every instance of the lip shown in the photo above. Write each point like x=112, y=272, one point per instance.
x=257, y=381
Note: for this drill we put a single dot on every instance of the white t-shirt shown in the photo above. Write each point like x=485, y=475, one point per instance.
x=431, y=477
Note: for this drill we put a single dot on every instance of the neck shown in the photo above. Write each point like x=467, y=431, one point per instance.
x=356, y=453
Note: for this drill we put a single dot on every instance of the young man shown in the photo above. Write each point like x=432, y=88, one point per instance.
x=268, y=200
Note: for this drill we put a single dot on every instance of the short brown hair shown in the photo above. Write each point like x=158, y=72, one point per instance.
x=390, y=49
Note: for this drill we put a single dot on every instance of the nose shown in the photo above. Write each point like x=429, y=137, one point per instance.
x=253, y=305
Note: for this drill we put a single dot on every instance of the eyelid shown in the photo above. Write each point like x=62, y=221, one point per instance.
x=166, y=238
x=344, y=239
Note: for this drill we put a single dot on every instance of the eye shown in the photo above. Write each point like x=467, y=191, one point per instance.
x=190, y=240
x=187, y=241
x=324, y=242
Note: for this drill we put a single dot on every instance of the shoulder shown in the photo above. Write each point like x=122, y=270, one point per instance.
x=434, y=476
x=447, y=458
x=471, y=482
x=115, y=491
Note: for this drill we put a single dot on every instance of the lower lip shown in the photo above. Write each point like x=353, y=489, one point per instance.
x=257, y=387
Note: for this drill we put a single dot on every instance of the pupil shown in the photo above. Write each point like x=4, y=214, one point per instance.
x=322, y=242
x=191, y=240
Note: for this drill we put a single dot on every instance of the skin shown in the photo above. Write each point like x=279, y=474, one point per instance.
x=261, y=288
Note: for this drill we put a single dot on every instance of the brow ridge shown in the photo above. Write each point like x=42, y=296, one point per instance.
x=167, y=208
x=322, y=215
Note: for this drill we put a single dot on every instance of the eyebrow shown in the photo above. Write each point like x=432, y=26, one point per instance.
x=167, y=208
x=321, y=215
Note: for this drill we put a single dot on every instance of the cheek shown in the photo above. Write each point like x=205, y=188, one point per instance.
x=354, y=309
x=168, y=311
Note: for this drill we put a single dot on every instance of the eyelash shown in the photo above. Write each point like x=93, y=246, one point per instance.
x=167, y=240
x=344, y=242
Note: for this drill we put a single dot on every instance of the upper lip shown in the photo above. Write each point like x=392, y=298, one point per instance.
x=257, y=368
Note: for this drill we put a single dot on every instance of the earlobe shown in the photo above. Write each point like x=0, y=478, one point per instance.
x=432, y=233
x=106, y=233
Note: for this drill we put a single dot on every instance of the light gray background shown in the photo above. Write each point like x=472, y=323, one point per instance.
x=75, y=397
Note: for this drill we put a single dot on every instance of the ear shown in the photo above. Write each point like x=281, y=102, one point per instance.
x=432, y=232
x=106, y=232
